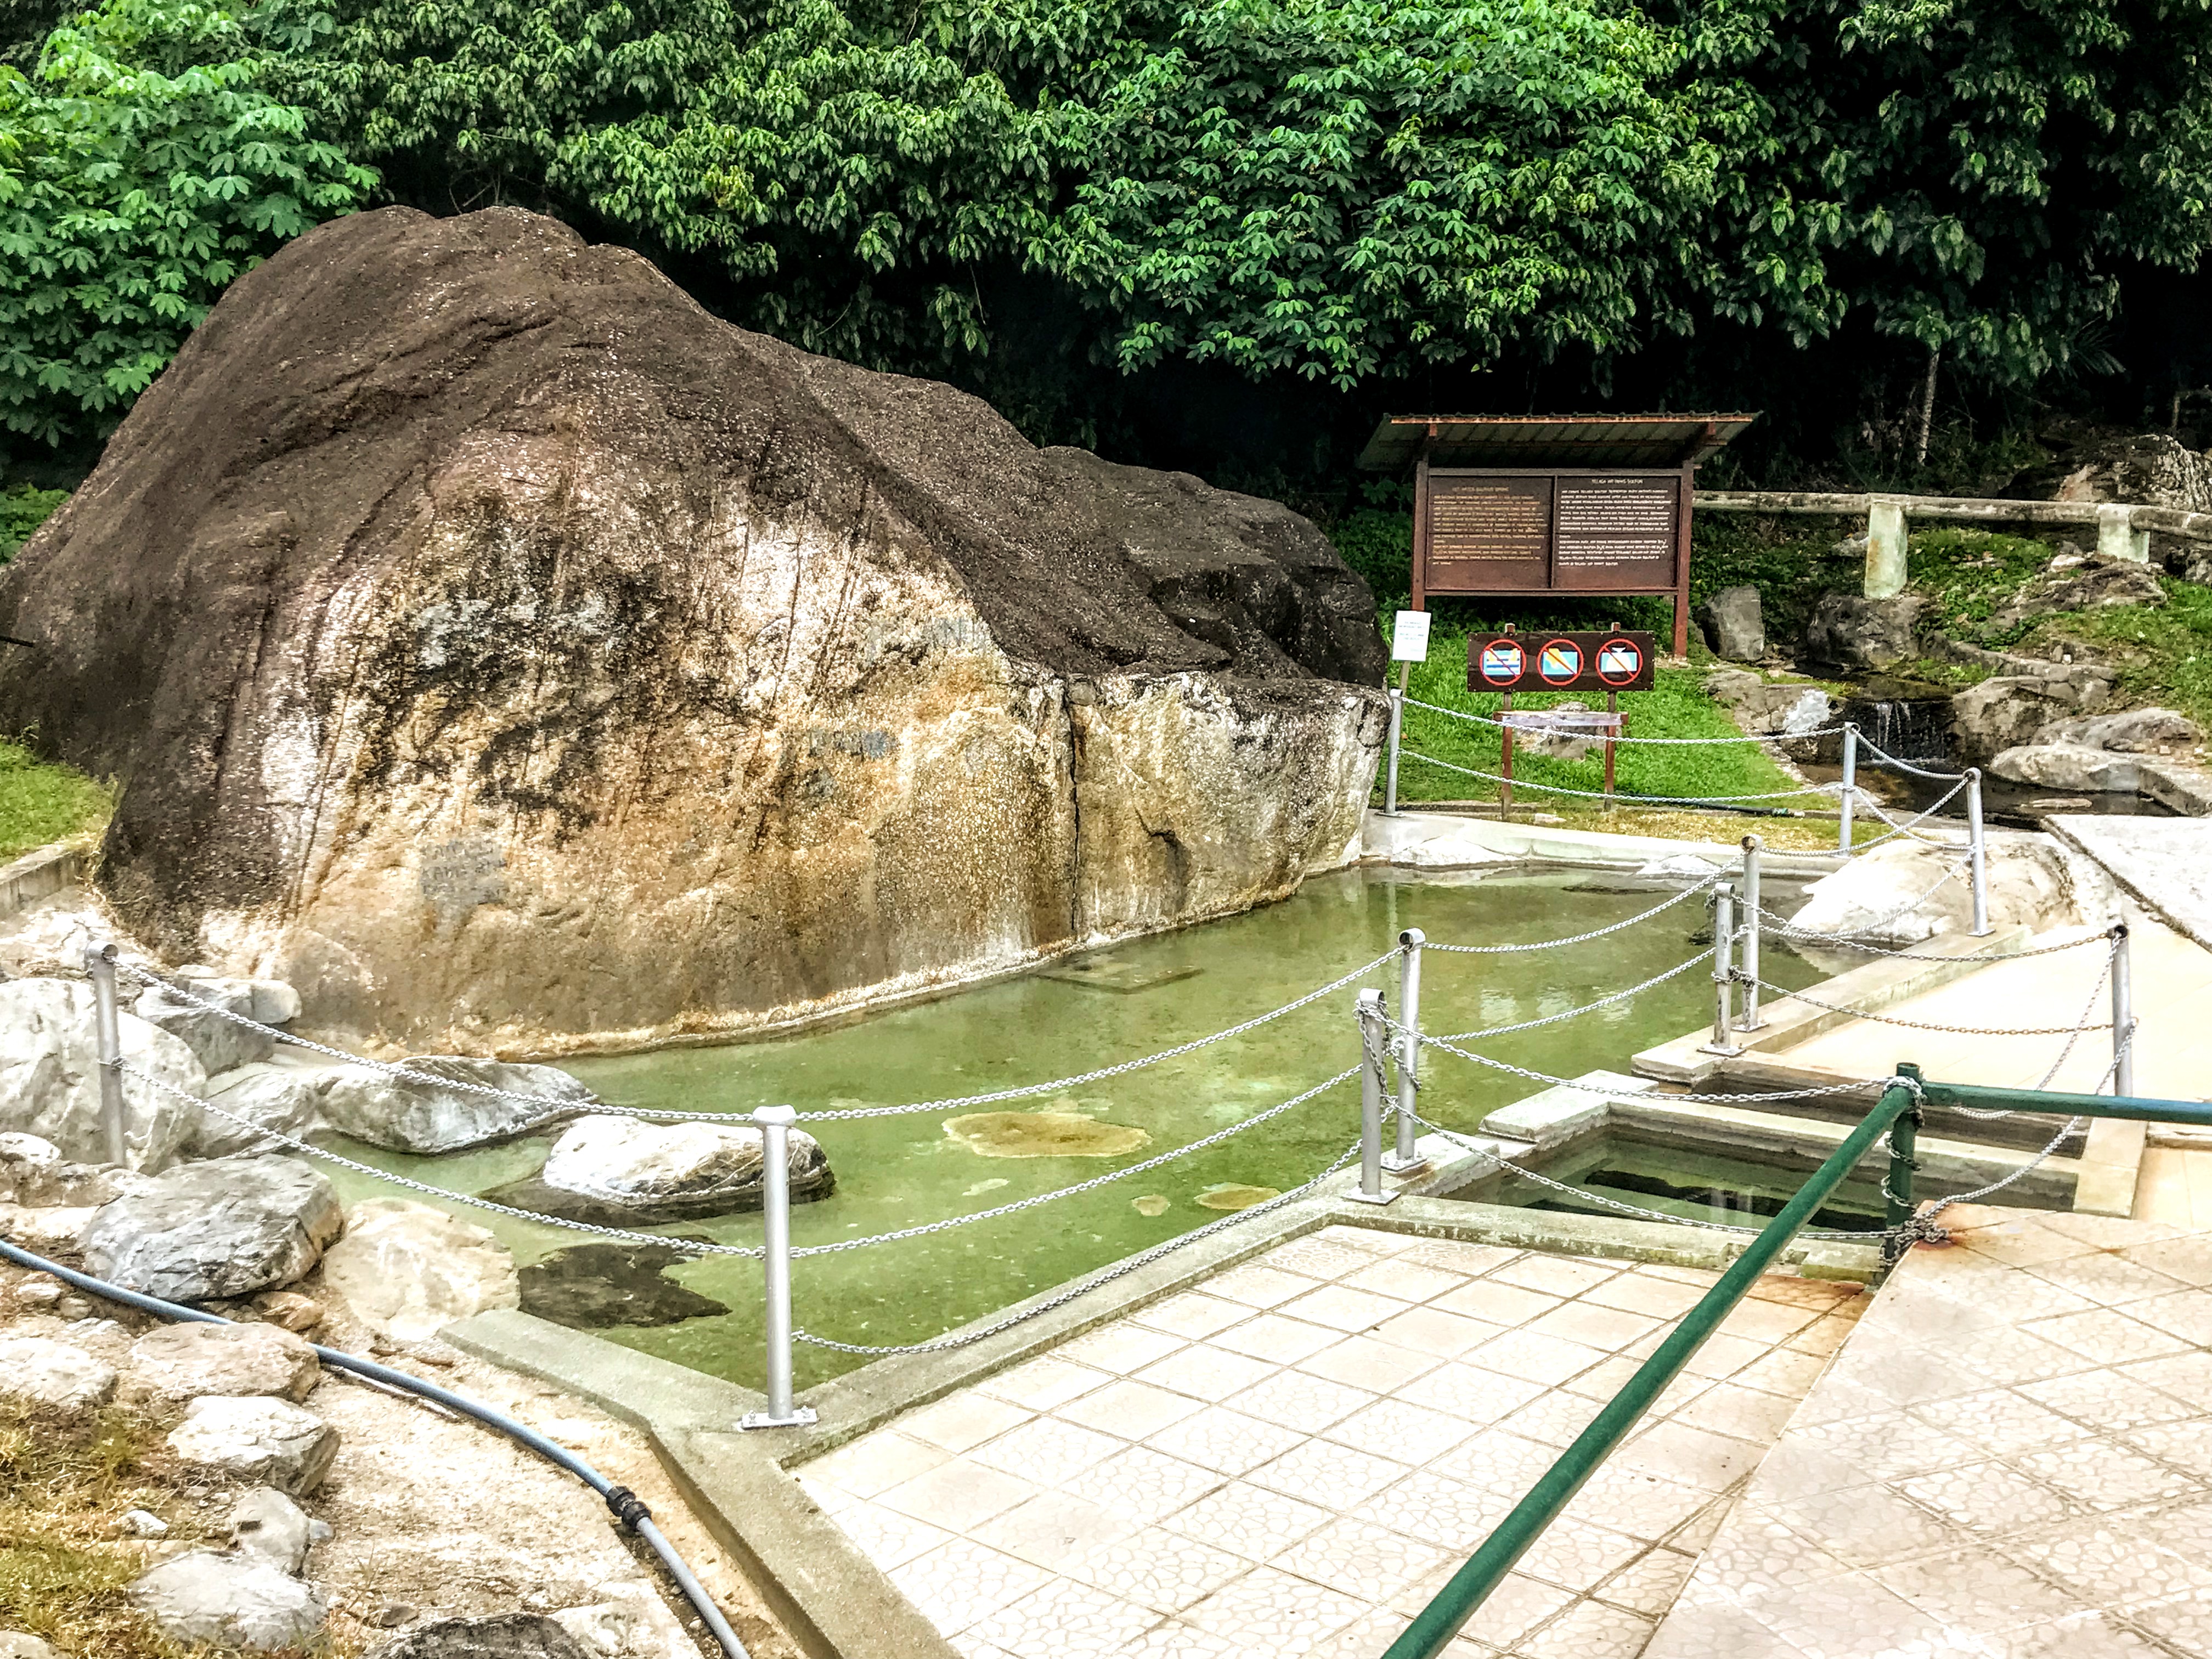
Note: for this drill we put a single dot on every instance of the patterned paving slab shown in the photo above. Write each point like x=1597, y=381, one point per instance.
x=2012, y=1460
x=1292, y=1458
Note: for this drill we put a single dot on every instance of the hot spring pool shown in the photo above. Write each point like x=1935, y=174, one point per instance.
x=1080, y=1014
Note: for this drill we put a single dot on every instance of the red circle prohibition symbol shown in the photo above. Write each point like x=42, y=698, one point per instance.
x=1503, y=662
x=1620, y=661
x=1560, y=662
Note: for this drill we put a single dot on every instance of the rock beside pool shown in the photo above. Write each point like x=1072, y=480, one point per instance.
x=410, y=1269
x=1043, y=1134
x=373, y=1105
x=271, y=1443
x=202, y=1025
x=282, y=1098
x=185, y=1362
x=225, y=1228
x=622, y=1171
x=589, y=1287
x=50, y=1076
x=1882, y=896
x=2069, y=766
x=232, y=1601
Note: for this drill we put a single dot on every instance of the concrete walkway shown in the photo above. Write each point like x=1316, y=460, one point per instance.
x=2011, y=1459
x=1292, y=1458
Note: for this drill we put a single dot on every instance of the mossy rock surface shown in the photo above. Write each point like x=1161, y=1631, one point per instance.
x=1043, y=1134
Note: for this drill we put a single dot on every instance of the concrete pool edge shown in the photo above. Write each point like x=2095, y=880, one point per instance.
x=832, y=1599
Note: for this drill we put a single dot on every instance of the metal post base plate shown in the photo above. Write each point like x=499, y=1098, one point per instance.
x=800, y=1417
x=1392, y=1164
x=1728, y=1051
x=1359, y=1197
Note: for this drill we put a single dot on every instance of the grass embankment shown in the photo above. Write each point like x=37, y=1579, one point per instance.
x=1677, y=707
x=40, y=803
x=65, y=1559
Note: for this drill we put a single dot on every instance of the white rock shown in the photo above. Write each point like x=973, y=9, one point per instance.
x=185, y=1362
x=625, y=1169
x=13, y=1645
x=2069, y=766
x=46, y=1373
x=269, y=1441
x=2028, y=886
x=41, y=1229
x=235, y=1601
x=50, y=1076
x=28, y=1150
x=227, y=1227
x=373, y=1106
x=630, y=1621
x=144, y=1523
x=270, y=1527
x=409, y=1269
x=279, y=1097
x=1688, y=865
x=219, y=1043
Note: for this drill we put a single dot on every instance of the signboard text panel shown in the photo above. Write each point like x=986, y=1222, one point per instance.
x=1489, y=535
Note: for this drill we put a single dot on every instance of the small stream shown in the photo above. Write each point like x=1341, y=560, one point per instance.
x=1081, y=1014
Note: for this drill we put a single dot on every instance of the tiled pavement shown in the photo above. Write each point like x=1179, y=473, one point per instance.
x=1292, y=1458
x=2011, y=1460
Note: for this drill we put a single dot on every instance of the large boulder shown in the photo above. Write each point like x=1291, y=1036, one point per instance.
x=2094, y=582
x=273, y=1442
x=622, y=1172
x=1771, y=708
x=2131, y=731
x=2010, y=709
x=505, y=652
x=1883, y=897
x=588, y=1287
x=50, y=1075
x=255, y=1100
x=1858, y=635
x=373, y=1105
x=202, y=1024
x=2145, y=468
x=2069, y=766
x=408, y=1269
x=1731, y=623
x=231, y=1601
x=225, y=1228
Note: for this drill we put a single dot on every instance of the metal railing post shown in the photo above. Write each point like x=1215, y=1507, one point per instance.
x=1723, y=971
x=1368, y=1011
x=2124, y=1016
x=1851, y=783
x=107, y=1038
x=1404, y=1159
x=1390, y=784
x=775, y=1123
x=1977, y=855
x=1749, y=1020
x=1897, y=1197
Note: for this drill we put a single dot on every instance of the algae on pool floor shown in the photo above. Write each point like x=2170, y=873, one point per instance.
x=901, y=1171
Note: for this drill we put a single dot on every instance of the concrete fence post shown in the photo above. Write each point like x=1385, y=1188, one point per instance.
x=1886, y=540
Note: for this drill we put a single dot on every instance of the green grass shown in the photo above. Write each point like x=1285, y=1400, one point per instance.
x=2164, y=654
x=22, y=510
x=1968, y=575
x=1677, y=707
x=39, y=803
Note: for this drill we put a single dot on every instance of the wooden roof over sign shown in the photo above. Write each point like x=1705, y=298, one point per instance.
x=1545, y=441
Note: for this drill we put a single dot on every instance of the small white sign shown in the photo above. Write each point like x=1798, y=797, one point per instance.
x=1409, y=637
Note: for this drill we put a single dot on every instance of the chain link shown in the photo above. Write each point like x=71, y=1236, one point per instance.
x=1886, y=757
x=1578, y=938
x=1449, y=1048
x=1774, y=737
x=1925, y=1025
x=1105, y=1276
x=1599, y=795
x=1552, y=1019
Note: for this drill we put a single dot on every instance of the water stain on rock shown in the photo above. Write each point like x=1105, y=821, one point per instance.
x=1042, y=1135
x=588, y=1287
x=1229, y=1195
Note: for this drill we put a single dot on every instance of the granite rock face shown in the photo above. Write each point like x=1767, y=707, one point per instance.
x=507, y=654
x=1733, y=626
x=371, y=1104
x=1853, y=632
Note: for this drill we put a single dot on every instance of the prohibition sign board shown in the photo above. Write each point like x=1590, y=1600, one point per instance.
x=1502, y=662
x=1619, y=660
x=1560, y=662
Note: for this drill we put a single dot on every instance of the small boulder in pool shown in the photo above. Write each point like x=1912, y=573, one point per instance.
x=620, y=1171
x=1042, y=1135
x=589, y=1287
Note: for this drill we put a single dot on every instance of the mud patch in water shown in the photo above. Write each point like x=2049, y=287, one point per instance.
x=1043, y=1134
x=1232, y=1195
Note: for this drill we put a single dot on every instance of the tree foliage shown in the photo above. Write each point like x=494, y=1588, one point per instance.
x=142, y=168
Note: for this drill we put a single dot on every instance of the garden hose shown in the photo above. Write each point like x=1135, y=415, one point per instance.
x=627, y=1507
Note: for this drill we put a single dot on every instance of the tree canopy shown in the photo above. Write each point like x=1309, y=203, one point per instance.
x=1350, y=192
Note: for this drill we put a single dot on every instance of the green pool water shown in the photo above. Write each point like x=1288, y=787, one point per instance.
x=1073, y=1017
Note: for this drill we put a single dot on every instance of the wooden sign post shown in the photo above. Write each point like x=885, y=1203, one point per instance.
x=1578, y=505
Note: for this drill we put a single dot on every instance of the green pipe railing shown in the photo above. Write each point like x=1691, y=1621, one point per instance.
x=1896, y=1114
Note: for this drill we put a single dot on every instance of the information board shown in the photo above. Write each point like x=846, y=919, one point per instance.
x=1489, y=535
x=1537, y=661
x=1613, y=534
